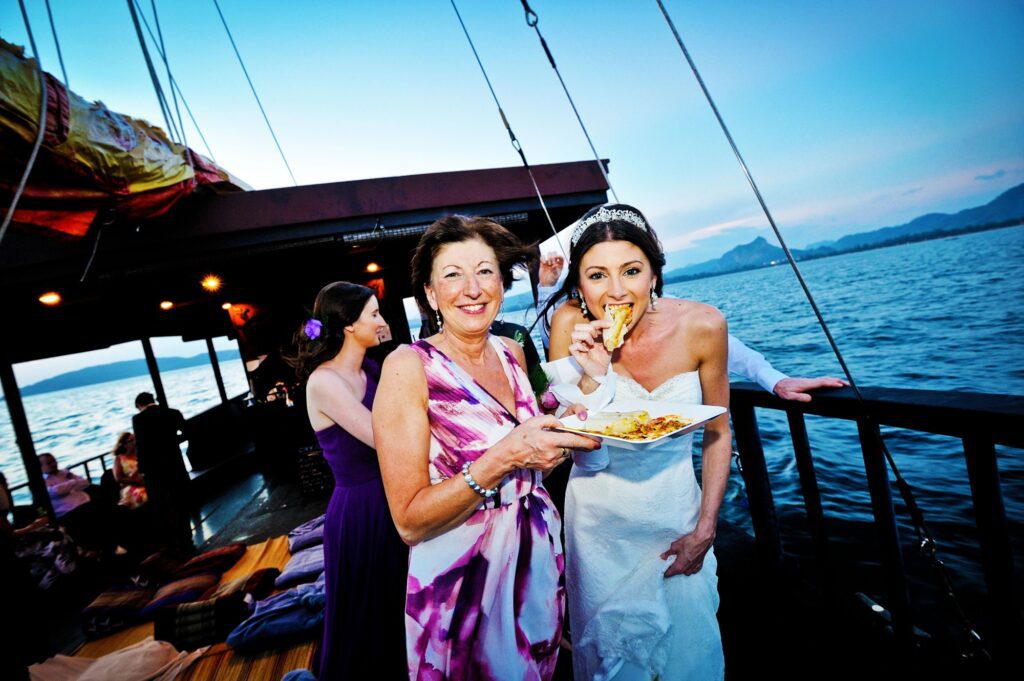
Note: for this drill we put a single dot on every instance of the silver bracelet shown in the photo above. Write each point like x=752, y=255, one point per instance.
x=474, y=485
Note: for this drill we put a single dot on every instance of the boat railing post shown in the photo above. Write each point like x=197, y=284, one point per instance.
x=755, y=478
x=811, y=494
x=994, y=535
x=888, y=533
x=23, y=436
x=154, y=371
x=216, y=370
x=88, y=473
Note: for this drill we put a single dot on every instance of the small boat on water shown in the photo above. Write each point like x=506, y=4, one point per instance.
x=790, y=605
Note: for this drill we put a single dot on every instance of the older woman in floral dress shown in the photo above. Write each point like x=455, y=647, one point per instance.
x=463, y=448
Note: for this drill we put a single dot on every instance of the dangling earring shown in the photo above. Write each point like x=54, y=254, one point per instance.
x=654, y=299
x=583, y=303
x=440, y=322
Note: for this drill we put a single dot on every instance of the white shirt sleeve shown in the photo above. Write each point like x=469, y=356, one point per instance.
x=751, y=365
x=544, y=294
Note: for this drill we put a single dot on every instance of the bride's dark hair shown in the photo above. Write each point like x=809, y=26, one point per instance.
x=336, y=306
x=599, y=232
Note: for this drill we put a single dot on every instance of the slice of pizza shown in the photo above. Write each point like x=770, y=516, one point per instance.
x=620, y=316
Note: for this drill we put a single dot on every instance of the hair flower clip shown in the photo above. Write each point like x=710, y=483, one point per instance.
x=313, y=328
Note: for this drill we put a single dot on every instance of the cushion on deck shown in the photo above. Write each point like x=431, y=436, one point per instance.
x=289, y=616
x=114, y=610
x=216, y=560
x=309, y=533
x=192, y=625
x=158, y=568
x=259, y=584
x=304, y=566
x=182, y=591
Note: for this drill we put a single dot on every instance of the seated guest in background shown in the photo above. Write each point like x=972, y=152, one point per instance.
x=73, y=506
x=67, y=490
x=364, y=558
x=126, y=472
x=158, y=432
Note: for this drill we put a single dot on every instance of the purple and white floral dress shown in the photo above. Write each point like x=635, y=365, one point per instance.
x=485, y=600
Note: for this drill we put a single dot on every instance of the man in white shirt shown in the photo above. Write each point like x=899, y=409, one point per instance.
x=743, y=361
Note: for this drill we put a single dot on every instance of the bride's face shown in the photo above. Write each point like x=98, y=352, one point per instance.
x=616, y=273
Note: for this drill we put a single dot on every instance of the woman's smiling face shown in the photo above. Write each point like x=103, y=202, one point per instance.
x=466, y=287
x=616, y=273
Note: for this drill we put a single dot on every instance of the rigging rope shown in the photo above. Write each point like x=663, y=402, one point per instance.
x=43, y=103
x=253, y=88
x=532, y=20
x=174, y=84
x=926, y=541
x=56, y=42
x=512, y=136
x=172, y=131
x=162, y=49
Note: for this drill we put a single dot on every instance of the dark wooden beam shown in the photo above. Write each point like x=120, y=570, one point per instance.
x=23, y=435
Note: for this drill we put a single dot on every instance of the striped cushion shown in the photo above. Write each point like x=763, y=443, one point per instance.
x=182, y=591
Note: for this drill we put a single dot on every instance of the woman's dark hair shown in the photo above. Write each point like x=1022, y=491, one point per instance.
x=336, y=306
x=453, y=229
x=599, y=232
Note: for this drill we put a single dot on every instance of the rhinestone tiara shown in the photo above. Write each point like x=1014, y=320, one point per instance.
x=606, y=215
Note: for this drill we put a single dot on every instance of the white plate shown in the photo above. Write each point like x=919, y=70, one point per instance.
x=700, y=413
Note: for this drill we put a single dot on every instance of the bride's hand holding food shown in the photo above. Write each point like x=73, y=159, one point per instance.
x=588, y=348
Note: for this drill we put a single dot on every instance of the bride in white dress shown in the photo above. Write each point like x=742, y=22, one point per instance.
x=641, y=572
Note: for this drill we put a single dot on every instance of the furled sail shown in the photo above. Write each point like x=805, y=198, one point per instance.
x=91, y=159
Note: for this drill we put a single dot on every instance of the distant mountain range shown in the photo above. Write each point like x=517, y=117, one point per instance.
x=1006, y=209
x=118, y=370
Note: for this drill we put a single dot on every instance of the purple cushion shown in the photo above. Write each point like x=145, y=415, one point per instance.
x=304, y=566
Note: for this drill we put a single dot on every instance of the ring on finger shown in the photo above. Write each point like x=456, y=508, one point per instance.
x=565, y=452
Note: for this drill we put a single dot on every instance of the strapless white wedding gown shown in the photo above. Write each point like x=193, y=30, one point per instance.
x=628, y=621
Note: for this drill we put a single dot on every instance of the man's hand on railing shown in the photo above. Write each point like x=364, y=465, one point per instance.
x=797, y=388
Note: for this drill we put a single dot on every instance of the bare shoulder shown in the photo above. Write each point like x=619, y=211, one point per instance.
x=516, y=348
x=695, y=318
x=567, y=315
x=324, y=380
x=404, y=364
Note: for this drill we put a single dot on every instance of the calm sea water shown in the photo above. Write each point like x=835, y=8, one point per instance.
x=82, y=422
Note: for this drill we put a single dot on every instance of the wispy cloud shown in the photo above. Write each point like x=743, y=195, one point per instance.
x=915, y=190
x=993, y=176
x=681, y=241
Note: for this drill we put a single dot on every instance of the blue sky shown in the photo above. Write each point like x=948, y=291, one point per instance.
x=851, y=115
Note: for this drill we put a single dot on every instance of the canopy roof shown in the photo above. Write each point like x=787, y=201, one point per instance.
x=272, y=249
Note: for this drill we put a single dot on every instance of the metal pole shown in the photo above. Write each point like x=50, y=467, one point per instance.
x=154, y=371
x=23, y=435
x=216, y=370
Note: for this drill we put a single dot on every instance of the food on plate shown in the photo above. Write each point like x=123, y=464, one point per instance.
x=617, y=423
x=620, y=316
x=633, y=425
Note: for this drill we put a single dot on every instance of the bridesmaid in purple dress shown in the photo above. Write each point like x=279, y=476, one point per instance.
x=365, y=561
x=463, y=449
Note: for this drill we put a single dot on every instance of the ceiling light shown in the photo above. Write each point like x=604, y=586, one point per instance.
x=211, y=282
x=226, y=306
x=373, y=267
x=166, y=305
x=50, y=298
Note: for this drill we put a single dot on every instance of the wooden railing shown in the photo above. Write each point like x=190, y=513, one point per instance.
x=980, y=421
